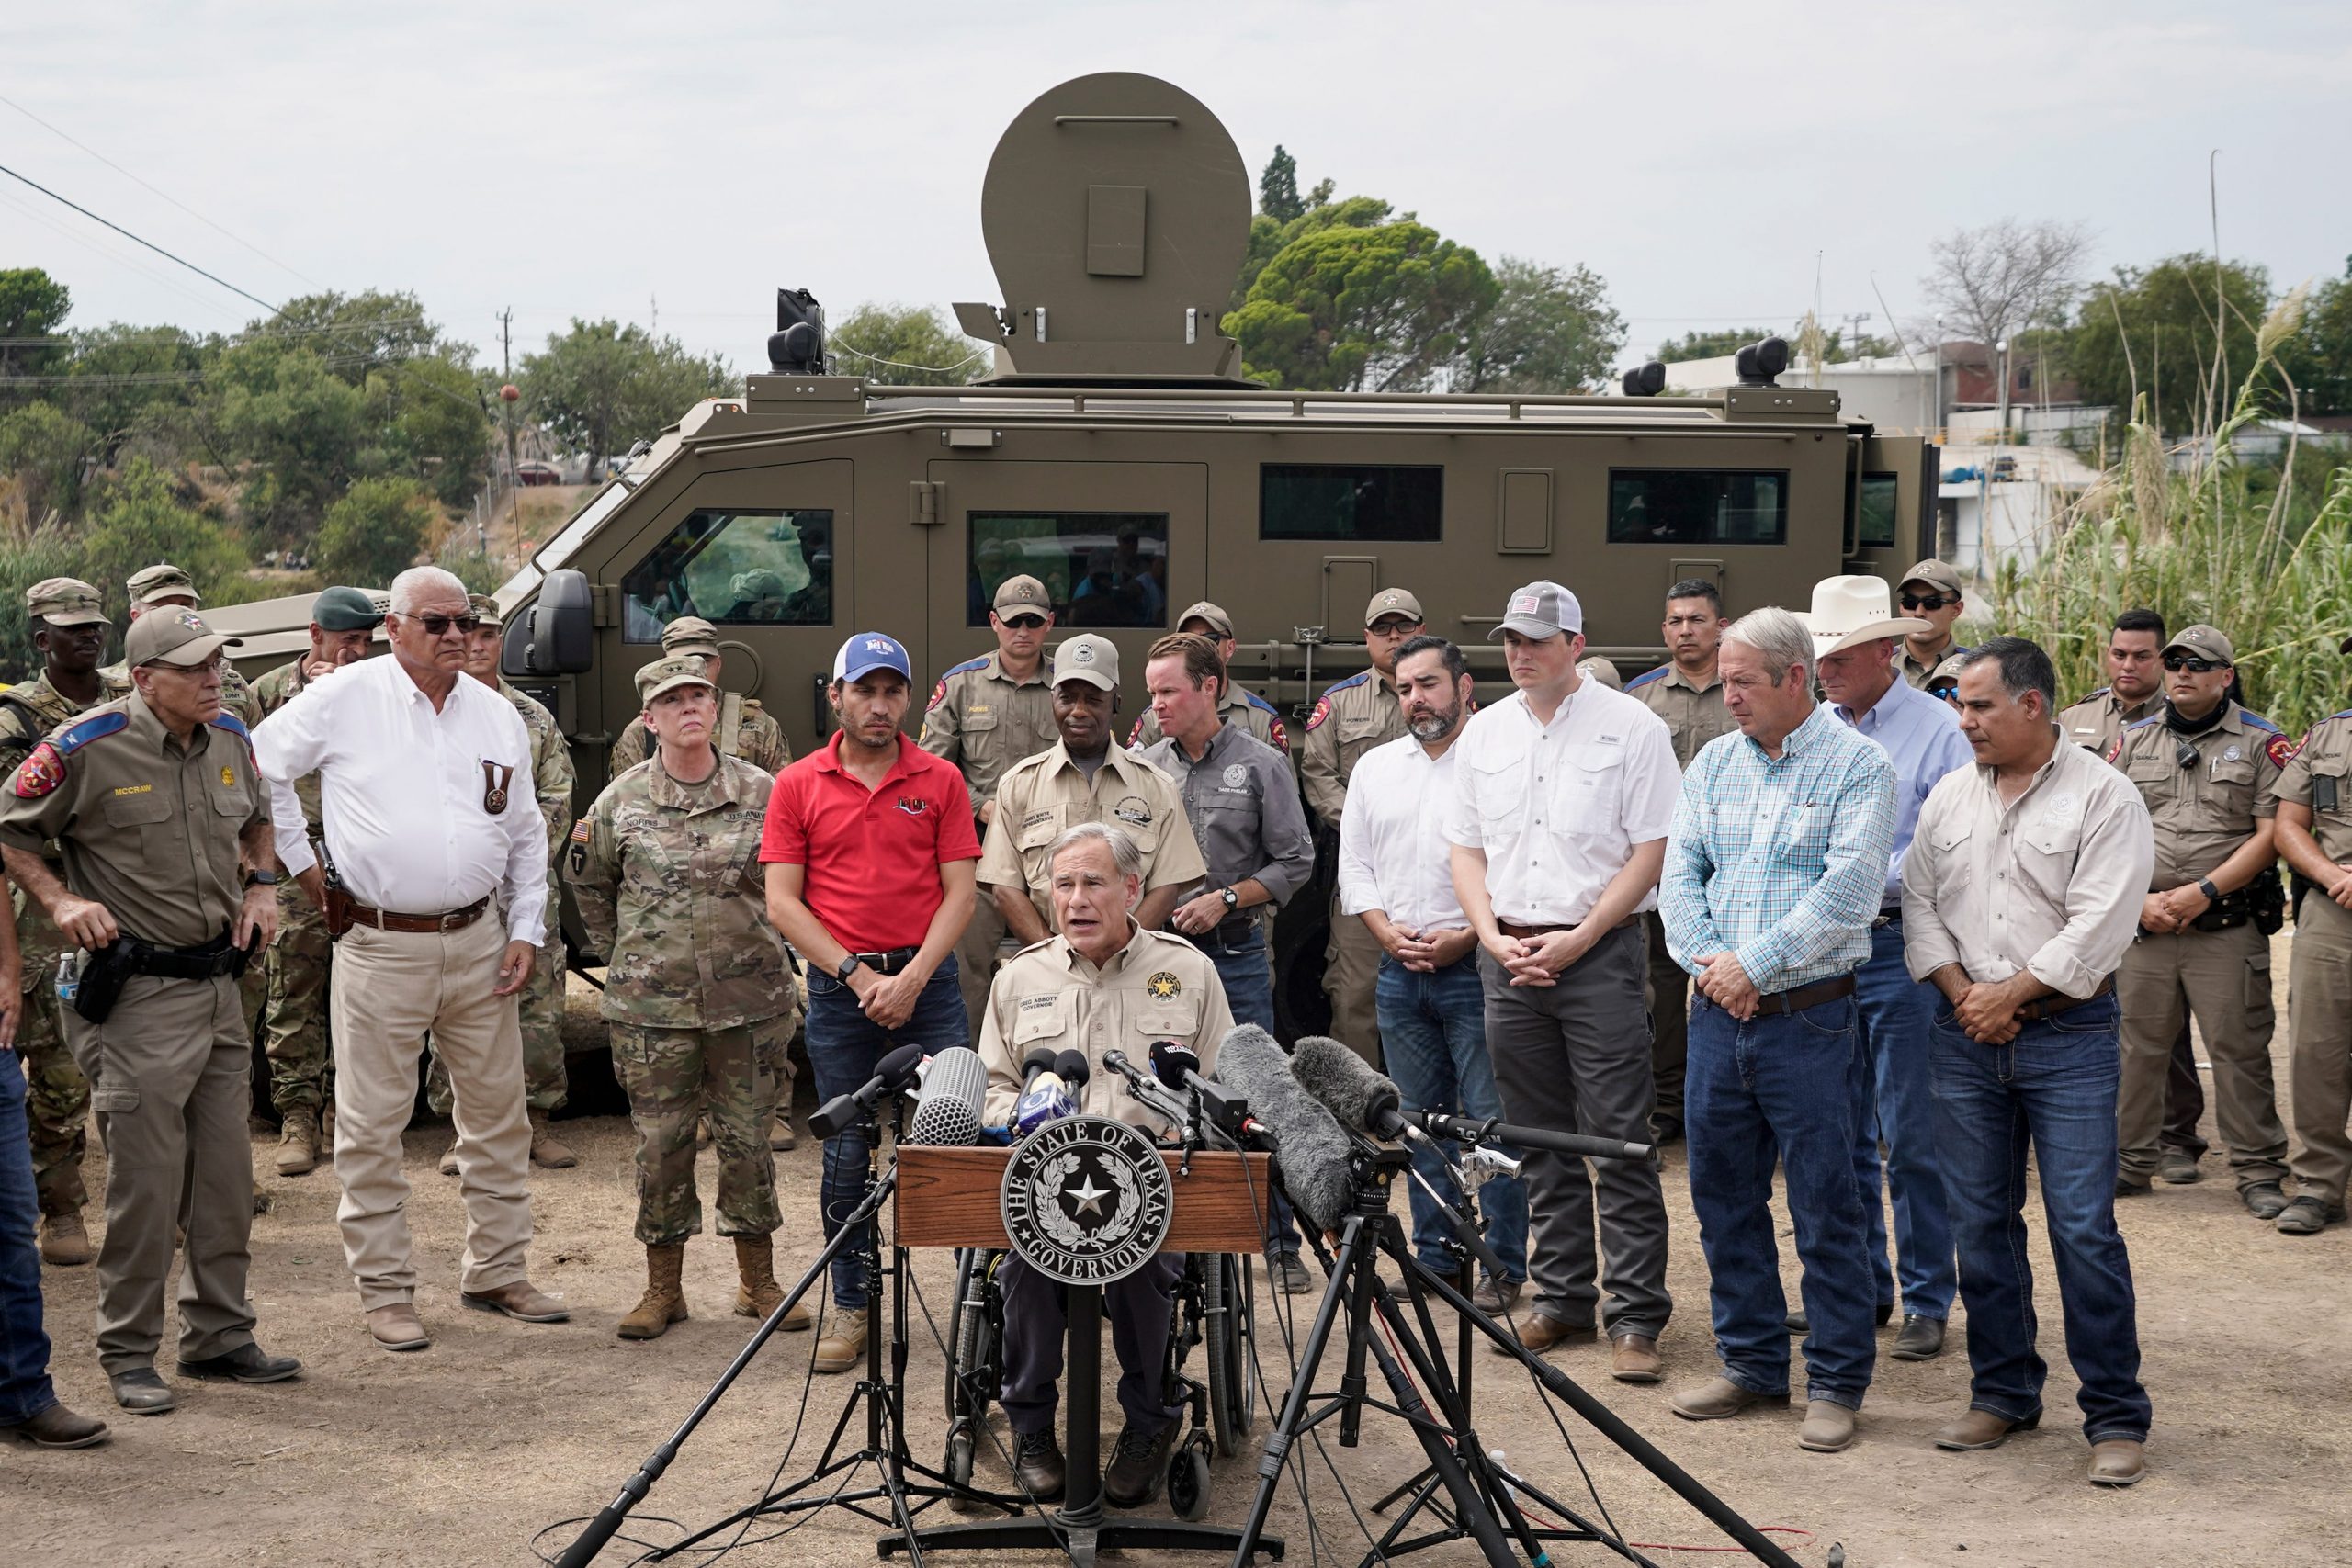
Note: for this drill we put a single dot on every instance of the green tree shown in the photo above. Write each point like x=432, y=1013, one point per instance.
x=906, y=346
x=139, y=516
x=352, y=335
x=377, y=531
x=2153, y=330
x=602, y=387
x=1278, y=197
x=44, y=552
x=46, y=451
x=1268, y=235
x=431, y=424
x=1548, y=330
x=33, y=305
x=1695, y=344
x=2318, y=359
x=127, y=381
x=1382, y=309
x=302, y=431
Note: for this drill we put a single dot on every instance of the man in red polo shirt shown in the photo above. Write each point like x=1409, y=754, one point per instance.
x=870, y=857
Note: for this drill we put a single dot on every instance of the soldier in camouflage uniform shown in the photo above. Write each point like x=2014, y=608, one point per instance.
x=70, y=628
x=743, y=729
x=541, y=1004
x=294, y=973
x=701, y=1004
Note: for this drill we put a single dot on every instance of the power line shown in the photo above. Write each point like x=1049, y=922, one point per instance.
x=184, y=207
x=126, y=234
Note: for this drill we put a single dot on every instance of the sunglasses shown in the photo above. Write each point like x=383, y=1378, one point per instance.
x=2179, y=662
x=1946, y=690
x=1024, y=623
x=1932, y=602
x=439, y=626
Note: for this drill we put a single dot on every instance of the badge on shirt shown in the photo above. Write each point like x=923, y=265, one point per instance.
x=1322, y=711
x=38, y=774
x=495, y=780
x=227, y=776
x=1237, y=776
x=1132, y=810
x=1164, y=986
x=912, y=805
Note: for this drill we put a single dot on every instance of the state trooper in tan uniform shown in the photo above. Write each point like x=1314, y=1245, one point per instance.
x=2205, y=767
x=155, y=587
x=1240, y=707
x=1930, y=592
x=1687, y=691
x=985, y=714
x=2134, y=689
x=1351, y=717
x=745, y=729
x=1084, y=776
x=2315, y=795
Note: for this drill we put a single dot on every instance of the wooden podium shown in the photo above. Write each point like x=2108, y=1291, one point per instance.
x=949, y=1198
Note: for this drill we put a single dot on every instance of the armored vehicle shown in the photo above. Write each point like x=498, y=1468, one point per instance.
x=1117, y=455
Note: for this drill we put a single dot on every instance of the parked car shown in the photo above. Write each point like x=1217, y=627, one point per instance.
x=537, y=473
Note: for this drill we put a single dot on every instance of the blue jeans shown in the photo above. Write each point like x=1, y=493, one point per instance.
x=1781, y=1084
x=1247, y=972
x=1895, y=1104
x=844, y=1046
x=24, y=1390
x=2050, y=1089
x=1433, y=1040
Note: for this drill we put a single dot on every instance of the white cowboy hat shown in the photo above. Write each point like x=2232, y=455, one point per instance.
x=1848, y=611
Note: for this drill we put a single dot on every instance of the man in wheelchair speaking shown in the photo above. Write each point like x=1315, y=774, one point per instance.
x=1104, y=984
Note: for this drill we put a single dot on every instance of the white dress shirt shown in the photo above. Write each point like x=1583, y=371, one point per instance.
x=1558, y=807
x=404, y=793
x=1393, y=853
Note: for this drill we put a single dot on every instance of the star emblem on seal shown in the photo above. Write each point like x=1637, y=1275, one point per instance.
x=1164, y=986
x=1086, y=1199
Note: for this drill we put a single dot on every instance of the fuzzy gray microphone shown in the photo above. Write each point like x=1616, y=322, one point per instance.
x=1308, y=1144
x=1348, y=1088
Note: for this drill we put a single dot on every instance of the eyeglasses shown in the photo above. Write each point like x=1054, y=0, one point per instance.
x=439, y=626
x=1946, y=690
x=1932, y=602
x=1024, y=623
x=2179, y=662
x=1393, y=627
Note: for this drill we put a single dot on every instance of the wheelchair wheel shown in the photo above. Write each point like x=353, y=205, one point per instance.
x=960, y=1446
x=1229, y=1323
x=1188, y=1482
x=975, y=1337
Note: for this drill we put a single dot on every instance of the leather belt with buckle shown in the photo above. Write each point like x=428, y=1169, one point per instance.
x=1512, y=928
x=1803, y=997
x=391, y=920
x=2050, y=1007
x=888, y=964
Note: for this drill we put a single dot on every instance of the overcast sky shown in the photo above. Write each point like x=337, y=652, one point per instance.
x=590, y=158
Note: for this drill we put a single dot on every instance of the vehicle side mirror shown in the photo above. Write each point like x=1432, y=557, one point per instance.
x=562, y=625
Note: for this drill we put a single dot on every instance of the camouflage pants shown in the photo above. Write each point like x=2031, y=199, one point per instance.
x=541, y=1009
x=673, y=1075
x=57, y=1099
x=301, y=1061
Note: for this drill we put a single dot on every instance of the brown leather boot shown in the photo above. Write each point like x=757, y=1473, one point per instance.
x=64, y=1243
x=297, y=1143
x=760, y=1294
x=663, y=1303
x=547, y=1151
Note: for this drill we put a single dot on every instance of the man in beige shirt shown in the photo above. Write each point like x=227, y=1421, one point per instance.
x=1084, y=777
x=2020, y=892
x=2315, y=795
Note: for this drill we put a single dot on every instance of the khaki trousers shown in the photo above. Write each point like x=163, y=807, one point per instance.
x=2222, y=979
x=388, y=988
x=171, y=1073
x=1351, y=972
x=2319, y=1028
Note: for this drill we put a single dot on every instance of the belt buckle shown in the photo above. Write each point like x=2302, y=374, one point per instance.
x=449, y=921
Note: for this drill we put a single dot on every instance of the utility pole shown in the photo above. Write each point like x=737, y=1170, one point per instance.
x=508, y=394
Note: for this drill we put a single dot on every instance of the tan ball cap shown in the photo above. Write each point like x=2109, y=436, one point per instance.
x=1087, y=658
x=1213, y=614
x=1935, y=574
x=1393, y=601
x=1023, y=592
x=2204, y=642
x=177, y=636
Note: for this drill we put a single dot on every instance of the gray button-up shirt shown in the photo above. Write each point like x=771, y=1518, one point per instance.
x=1244, y=810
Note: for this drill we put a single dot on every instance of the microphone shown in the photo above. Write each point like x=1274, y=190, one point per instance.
x=891, y=1074
x=1312, y=1150
x=1177, y=1066
x=1469, y=1130
x=1145, y=1088
x=1175, y=1063
x=1041, y=1060
x=1052, y=1093
x=953, y=1090
x=1348, y=1088
x=1073, y=1068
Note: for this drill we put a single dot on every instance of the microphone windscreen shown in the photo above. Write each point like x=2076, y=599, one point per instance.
x=897, y=1069
x=1346, y=1084
x=1312, y=1151
x=1040, y=1060
x=954, y=1089
x=1073, y=1068
x=1171, y=1061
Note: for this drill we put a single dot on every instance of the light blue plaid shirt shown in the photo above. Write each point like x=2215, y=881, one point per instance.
x=1784, y=863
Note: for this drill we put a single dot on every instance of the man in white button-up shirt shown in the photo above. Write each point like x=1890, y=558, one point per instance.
x=1564, y=791
x=1396, y=872
x=440, y=857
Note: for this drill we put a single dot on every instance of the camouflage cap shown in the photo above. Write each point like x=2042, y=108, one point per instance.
x=668, y=675
x=485, y=609
x=690, y=634
x=1393, y=601
x=179, y=637
x=345, y=609
x=1087, y=658
x=2202, y=641
x=161, y=580
x=1023, y=592
x=1213, y=616
x=65, y=602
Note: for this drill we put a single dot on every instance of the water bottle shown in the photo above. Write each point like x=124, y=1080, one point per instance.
x=69, y=978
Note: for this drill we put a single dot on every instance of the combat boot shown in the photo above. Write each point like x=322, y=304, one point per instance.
x=664, y=1301
x=760, y=1294
x=547, y=1151
x=844, y=1345
x=297, y=1143
x=64, y=1243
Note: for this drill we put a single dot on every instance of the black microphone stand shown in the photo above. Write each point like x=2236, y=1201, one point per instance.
x=886, y=1444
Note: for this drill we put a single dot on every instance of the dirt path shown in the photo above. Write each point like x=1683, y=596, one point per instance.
x=459, y=1455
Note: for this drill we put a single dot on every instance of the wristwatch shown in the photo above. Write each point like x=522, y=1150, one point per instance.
x=262, y=878
x=842, y=971
x=2205, y=886
x=1232, y=899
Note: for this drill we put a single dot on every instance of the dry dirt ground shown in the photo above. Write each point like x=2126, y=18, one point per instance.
x=464, y=1453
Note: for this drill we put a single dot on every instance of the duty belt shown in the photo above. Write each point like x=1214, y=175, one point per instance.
x=388, y=921
x=207, y=962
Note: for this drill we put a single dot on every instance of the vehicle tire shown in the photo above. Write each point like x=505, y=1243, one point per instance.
x=1188, y=1482
x=1228, y=1331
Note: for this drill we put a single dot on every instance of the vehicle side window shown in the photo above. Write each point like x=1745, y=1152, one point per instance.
x=1384, y=501
x=1879, y=493
x=1698, y=506
x=735, y=569
x=1100, y=568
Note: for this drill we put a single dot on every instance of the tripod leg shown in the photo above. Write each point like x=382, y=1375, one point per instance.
x=1302, y=1384
x=1470, y=1506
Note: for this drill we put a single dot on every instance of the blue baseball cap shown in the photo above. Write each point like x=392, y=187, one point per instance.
x=866, y=652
